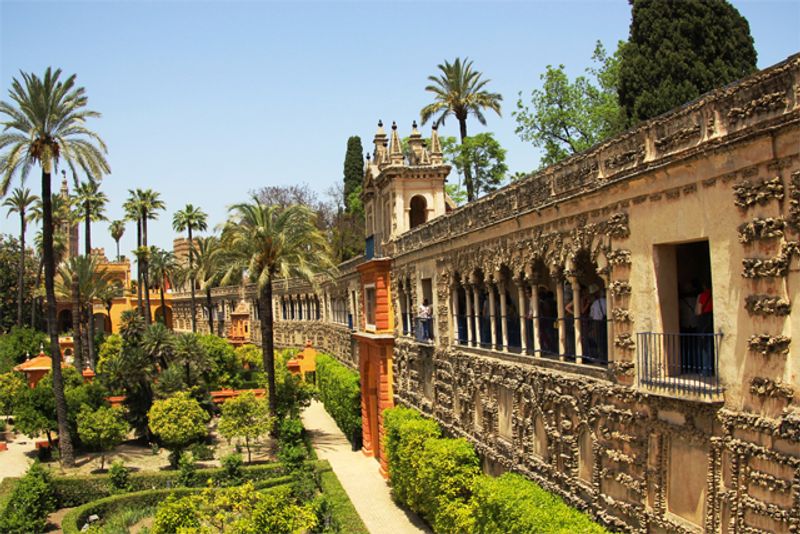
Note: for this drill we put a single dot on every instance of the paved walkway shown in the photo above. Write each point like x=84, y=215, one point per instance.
x=15, y=461
x=359, y=476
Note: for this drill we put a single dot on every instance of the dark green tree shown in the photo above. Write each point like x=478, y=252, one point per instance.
x=353, y=167
x=679, y=50
x=9, y=280
x=483, y=157
x=566, y=117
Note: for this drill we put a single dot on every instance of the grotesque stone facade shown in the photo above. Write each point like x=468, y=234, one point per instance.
x=562, y=345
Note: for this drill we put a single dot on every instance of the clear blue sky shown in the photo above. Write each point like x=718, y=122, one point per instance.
x=205, y=101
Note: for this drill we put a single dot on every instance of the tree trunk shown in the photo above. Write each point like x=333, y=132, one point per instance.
x=21, y=276
x=148, y=318
x=247, y=444
x=35, y=299
x=139, y=301
x=77, y=324
x=267, y=343
x=191, y=281
x=117, y=240
x=85, y=315
x=90, y=334
x=64, y=441
x=209, y=306
x=163, y=304
x=462, y=124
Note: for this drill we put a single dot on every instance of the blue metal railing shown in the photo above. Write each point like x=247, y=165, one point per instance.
x=679, y=363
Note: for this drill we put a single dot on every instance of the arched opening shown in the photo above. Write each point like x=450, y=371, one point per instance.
x=418, y=211
x=64, y=321
x=164, y=316
x=102, y=324
x=543, y=323
x=593, y=310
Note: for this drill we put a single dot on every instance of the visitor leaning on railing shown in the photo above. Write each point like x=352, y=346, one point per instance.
x=424, y=331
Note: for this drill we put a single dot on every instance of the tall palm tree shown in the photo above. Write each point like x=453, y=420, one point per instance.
x=190, y=219
x=147, y=203
x=271, y=242
x=131, y=207
x=19, y=202
x=45, y=124
x=117, y=230
x=460, y=91
x=84, y=280
x=163, y=267
x=211, y=264
x=91, y=203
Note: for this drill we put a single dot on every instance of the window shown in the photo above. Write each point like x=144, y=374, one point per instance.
x=418, y=211
x=369, y=306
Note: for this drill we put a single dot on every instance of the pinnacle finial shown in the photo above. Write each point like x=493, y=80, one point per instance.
x=380, y=123
x=414, y=124
x=368, y=156
x=394, y=125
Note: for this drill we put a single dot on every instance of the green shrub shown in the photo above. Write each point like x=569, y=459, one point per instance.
x=406, y=434
x=187, y=470
x=446, y=473
x=340, y=392
x=30, y=503
x=344, y=512
x=119, y=476
x=232, y=468
x=178, y=422
x=513, y=504
x=202, y=452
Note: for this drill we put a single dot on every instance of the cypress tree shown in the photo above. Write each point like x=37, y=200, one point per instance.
x=678, y=50
x=353, y=167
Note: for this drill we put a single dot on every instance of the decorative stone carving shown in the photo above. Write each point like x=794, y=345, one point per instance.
x=619, y=257
x=766, y=344
x=766, y=387
x=773, y=267
x=767, y=305
x=678, y=138
x=621, y=315
x=625, y=342
x=763, y=104
x=619, y=288
x=747, y=194
x=793, y=220
x=768, y=228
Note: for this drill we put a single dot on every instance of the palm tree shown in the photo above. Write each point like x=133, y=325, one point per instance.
x=19, y=202
x=460, y=91
x=84, y=280
x=92, y=203
x=190, y=219
x=145, y=203
x=158, y=342
x=117, y=230
x=269, y=243
x=45, y=124
x=211, y=263
x=163, y=267
x=131, y=207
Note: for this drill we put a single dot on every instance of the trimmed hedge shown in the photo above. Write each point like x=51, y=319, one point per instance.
x=343, y=509
x=441, y=480
x=76, y=518
x=75, y=491
x=340, y=392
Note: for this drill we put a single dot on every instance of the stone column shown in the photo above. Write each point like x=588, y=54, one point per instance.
x=477, y=309
x=492, y=312
x=523, y=313
x=535, y=322
x=468, y=300
x=562, y=330
x=503, y=333
x=454, y=322
x=576, y=314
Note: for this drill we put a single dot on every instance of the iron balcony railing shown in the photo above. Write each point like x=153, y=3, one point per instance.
x=423, y=329
x=679, y=364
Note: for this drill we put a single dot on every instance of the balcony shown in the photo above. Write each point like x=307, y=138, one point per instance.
x=679, y=364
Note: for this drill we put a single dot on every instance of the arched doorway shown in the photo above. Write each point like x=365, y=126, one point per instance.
x=64, y=321
x=418, y=211
x=165, y=318
x=102, y=323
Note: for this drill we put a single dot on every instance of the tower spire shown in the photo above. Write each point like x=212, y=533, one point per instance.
x=396, y=148
x=436, y=147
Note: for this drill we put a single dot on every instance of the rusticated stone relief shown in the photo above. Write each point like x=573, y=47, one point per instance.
x=793, y=220
x=748, y=194
x=619, y=257
x=767, y=305
x=680, y=137
x=772, y=267
x=333, y=339
x=620, y=315
x=766, y=387
x=759, y=229
x=767, y=103
x=551, y=411
x=769, y=345
x=619, y=288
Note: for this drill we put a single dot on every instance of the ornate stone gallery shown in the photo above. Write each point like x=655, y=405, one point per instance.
x=617, y=327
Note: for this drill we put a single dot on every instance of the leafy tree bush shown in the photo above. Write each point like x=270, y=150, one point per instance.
x=19, y=342
x=120, y=476
x=101, y=429
x=249, y=356
x=187, y=470
x=225, y=370
x=12, y=386
x=246, y=418
x=178, y=421
x=514, y=505
x=340, y=392
x=292, y=394
x=232, y=468
x=677, y=51
x=31, y=501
